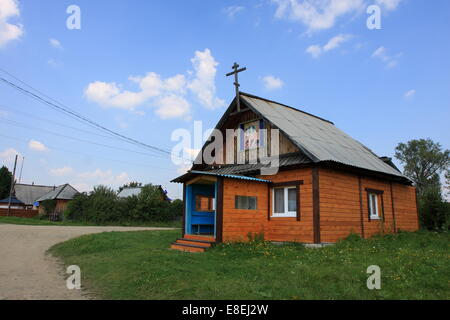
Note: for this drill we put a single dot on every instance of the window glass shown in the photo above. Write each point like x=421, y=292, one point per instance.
x=373, y=205
x=292, y=199
x=245, y=202
x=278, y=200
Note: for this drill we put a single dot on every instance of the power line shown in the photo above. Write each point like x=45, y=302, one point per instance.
x=34, y=117
x=57, y=134
x=87, y=155
x=62, y=108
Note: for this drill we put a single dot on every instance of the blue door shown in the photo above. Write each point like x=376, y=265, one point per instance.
x=200, y=220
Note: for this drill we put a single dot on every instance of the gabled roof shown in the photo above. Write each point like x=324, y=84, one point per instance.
x=29, y=193
x=62, y=192
x=319, y=139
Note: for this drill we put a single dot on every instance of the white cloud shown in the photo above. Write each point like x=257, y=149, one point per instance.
x=172, y=107
x=104, y=177
x=316, y=14
x=9, y=154
x=272, y=83
x=55, y=43
x=160, y=93
x=9, y=31
x=336, y=41
x=60, y=172
x=409, y=94
x=203, y=85
x=316, y=50
x=389, y=61
x=231, y=11
x=81, y=187
x=191, y=153
x=37, y=146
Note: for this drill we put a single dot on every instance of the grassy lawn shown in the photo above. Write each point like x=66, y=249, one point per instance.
x=39, y=222
x=139, y=265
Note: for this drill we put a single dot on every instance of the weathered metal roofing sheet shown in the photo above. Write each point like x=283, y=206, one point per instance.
x=62, y=192
x=284, y=161
x=129, y=192
x=28, y=193
x=192, y=173
x=318, y=138
x=232, y=176
x=14, y=200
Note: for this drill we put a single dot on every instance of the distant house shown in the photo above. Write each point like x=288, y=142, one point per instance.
x=134, y=191
x=15, y=203
x=62, y=194
x=29, y=193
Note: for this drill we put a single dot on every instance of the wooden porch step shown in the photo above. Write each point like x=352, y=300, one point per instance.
x=187, y=247
x=199, y=237
x=200, y=243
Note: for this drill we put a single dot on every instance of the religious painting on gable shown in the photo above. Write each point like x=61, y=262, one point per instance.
x=251, y=137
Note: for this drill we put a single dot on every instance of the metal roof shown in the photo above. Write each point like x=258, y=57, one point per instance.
x=129, y=192
x=14, y=200
x=284, y=161
x=62, y=192
x=28, y=193
x=319, y=139
x=191, y=173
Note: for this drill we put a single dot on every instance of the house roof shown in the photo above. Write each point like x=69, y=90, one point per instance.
x=14, y=200
x=192, y=173
x=62, y=192
x=28, y=193
x=134, y=191
x=128, y=192
x=318, y=138
x=285, y=160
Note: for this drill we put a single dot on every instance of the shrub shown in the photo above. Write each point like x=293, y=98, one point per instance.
x=102, y=205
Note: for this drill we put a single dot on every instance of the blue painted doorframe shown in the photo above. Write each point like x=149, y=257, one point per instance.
x=202, y=221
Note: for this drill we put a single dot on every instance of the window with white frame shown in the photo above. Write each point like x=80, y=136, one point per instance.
x=373, y=206
x=284, y=202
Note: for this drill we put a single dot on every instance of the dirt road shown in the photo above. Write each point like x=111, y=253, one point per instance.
x=26, y=272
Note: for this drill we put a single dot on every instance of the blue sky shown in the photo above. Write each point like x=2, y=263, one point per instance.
x=146, y=68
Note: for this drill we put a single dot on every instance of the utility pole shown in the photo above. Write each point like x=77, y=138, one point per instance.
x=21, y=168
x=12, y=186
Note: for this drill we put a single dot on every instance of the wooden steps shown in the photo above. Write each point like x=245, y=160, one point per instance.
x=193, y=243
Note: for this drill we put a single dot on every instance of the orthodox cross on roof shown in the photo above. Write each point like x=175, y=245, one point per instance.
x=236, y=82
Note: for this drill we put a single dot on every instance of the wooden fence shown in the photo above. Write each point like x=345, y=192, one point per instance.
x=19, y=213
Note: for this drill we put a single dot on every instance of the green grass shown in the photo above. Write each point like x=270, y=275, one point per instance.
x=139, y=265
x=43, y=222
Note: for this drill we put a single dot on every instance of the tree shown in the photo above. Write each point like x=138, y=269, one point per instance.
x=132, y=184
x=5, y=182
x=447, y=181
x=422, y=159
x=434, y=211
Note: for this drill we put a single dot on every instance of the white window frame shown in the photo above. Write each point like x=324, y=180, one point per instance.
x=286, y=213
x=373, y=206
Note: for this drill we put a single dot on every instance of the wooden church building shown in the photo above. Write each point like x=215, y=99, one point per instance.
x=328, y=185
